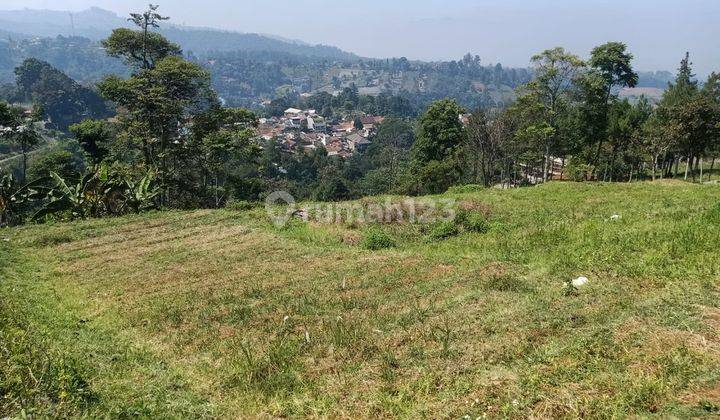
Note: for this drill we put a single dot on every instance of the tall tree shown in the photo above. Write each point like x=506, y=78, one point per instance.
x=141, y=48
x=20, y=130
x=547, y=98
x=483, y=147
x=611, y=64
x=63, y=100
x=157, y=103
x=434, y=162
x=690, y=116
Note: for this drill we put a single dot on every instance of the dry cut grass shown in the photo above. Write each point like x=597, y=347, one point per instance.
x=219, y=314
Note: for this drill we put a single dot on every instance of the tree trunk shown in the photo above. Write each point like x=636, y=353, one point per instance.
x=700, y=163
x=662, y=172
x=687, y=167
x=546, y=164
x=655, y=159
x=24, y=165
x=712, y=166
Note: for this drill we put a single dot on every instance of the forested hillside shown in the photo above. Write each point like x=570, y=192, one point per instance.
x=96, y=24
x=248, y=69
x=256, y=72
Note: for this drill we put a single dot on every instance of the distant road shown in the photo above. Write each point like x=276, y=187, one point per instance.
x=49, y=141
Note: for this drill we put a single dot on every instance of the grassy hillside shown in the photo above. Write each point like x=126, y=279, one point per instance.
x=219, y=313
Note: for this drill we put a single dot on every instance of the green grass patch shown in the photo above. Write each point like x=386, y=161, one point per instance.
x=211, y=314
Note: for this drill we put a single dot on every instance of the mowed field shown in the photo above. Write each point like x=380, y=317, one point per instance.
x=221, y=314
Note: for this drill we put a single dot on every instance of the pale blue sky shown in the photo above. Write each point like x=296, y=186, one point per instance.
x=657, y=31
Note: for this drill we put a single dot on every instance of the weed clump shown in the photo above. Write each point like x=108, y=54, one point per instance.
x=240, y=205
x=443, y=230
x=376, y=239
x=35, y=379
x=472, y=221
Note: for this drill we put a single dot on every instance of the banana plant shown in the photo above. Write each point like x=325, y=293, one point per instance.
x=140, y=195
x=99, y=194
x=13, y=198
x=79, y=201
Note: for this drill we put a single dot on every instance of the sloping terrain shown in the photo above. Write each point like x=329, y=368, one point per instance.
x=220, y=314
x=96, y=24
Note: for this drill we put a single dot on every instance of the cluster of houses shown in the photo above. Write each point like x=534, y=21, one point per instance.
x=304, y=130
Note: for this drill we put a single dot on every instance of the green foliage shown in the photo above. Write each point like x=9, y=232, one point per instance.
x=128, y=44
x=440, y=132
x=34, y=380
x=442, y=230
x=434, y=165
x=62, y=100
x=19, y=130
x=357, y=123
x=579, y=171
x=240, y=205
x=56, y=159
x=331, y=186
x=101, y=192
x=472, y=221
x=613, y=63
x=433, y=177
x=141, y=48
x=94, y=137
x=15, y=198
x=375, y=239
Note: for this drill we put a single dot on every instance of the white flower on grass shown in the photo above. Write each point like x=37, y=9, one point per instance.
x=615, y=217
x=580, y=281
x=307, y=336
x=515, y=403
x=287, y=317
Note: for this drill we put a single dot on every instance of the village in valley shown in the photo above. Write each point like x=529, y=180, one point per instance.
x=304, y=130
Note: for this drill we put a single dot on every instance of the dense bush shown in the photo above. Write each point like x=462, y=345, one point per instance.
x=472, y=221
x=239, y=205
x=376, y=239
x=443, y=230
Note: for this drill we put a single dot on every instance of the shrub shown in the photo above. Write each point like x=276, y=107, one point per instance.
x=579, y=171
x=239, y=205
x=376, y=239
x=443, y=230
x=472, y=221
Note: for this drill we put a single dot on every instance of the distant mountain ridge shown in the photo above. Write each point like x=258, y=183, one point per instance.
x=96, y=24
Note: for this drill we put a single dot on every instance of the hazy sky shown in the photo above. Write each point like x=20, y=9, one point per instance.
x=658, y=32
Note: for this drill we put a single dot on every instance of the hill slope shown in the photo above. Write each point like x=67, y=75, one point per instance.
x=96, y=24
x=218, y=313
